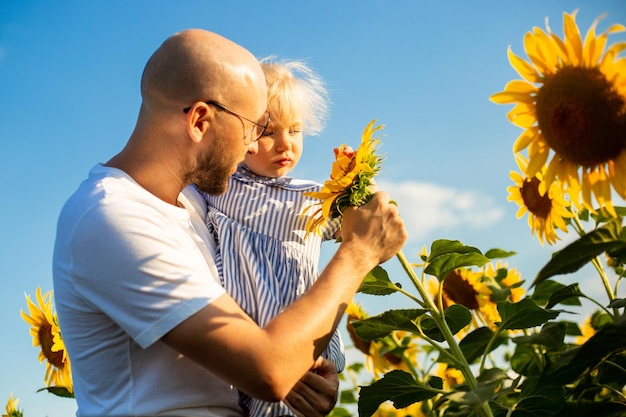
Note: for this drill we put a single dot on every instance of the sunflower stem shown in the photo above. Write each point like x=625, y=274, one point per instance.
x=439, y=319
x=598, y=265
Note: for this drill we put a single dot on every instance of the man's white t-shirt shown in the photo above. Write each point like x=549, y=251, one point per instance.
x=128, y=268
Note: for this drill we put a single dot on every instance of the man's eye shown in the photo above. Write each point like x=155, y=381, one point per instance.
x=295, y=131
x=268, y=133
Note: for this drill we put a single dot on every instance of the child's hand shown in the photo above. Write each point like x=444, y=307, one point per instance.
x=347, y=151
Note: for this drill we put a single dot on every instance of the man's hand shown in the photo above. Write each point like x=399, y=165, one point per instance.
x=376, y=228
x=315, y=395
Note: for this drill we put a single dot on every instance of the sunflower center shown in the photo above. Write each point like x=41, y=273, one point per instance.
x=460, y=291
x=46, y=341
x=537, y=204
x=581, y=116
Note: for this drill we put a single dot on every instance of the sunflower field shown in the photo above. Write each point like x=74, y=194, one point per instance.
x=477, y=343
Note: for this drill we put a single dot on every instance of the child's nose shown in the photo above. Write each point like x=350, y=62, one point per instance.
x=282, y=141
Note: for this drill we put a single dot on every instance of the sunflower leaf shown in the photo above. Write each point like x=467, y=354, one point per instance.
x=539, y=400
x=524, y=314
x=457, y=317
x=474, y=345
x=488, y=382
x=58, y=391
x=377, y=327
x=572, y=364
x=400, y=388
x=551, y=336
x=497, y=253
x=567, y=295
x=448, y=255
x=377, y=282
x=579, y=253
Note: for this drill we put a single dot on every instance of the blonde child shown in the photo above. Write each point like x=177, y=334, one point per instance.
x=265, y=260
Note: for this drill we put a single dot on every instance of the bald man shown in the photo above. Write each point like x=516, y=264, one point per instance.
x=147, y=326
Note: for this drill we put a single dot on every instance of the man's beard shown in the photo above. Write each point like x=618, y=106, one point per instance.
x=212, y=172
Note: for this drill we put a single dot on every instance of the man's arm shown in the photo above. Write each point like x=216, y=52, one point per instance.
x=267, y=362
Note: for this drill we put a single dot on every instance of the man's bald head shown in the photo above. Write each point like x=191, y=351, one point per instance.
x=197, y=65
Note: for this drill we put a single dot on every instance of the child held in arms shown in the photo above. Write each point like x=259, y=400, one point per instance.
x=265, y=257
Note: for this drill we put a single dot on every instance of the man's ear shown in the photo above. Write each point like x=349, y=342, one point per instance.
x=198, y=121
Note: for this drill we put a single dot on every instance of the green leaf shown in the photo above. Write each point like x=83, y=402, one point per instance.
x=377, y=282
x=539, y=400
x=488, y=382
x=599, y=409
x=551, y=336
x=474, y=345
x=457, y=316
x=448, y=255
x=377, y=327
x=400, y=388
x=525, y=362
x=58, y=391
x=340, y=412
x=544, y=290
x=570, y=365
x=567, y=295
x=617, y=303
x=579, y=253
x=497, y=253
x=523, y=314
x=347, y=396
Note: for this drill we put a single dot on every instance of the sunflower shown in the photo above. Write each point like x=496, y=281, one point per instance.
x=355, y=312
x=11, y=408
x=547, y=209
x=503, y=284
x=385, y=354
x=350, y=180
x=387, y=409
x=47, y=334
x=451, y=376
x=587, y=331
x=479, y=292
x=461, y=286
x=571, y=102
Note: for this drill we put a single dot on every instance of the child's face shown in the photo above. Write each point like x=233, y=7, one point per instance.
x=279, y=150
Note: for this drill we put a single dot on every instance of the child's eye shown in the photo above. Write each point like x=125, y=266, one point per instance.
x=295, y=131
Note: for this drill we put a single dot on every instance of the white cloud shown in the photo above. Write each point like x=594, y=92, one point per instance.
x=428, y=208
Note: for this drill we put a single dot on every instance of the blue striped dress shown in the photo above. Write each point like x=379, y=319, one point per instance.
x=264, y=260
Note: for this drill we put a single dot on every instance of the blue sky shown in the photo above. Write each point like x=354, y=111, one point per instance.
x=69, y=96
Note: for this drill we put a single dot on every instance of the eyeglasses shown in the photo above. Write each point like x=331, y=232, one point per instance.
x=257, y=129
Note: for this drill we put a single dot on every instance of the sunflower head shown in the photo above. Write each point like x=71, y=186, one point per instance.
x=11, y=408
x=355, y=312
x=46, y=334
x=350, y=181
x=458, y=287
x=571, y=103
x=548, y=210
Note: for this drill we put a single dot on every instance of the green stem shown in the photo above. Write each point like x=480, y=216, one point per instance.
x=439, y=319
x=598, y=265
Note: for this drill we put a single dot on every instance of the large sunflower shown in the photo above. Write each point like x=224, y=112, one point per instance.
x=572, y=104
x=547, y=209
x=47, y=334
x=350, y=180
x=11, y=408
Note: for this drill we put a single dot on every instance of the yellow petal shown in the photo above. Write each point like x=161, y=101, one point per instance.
x=523, y=68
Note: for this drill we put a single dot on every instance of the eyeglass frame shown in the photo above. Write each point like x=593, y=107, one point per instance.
x=227, y=110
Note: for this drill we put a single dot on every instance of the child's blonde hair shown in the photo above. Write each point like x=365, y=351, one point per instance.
x=292, y=89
